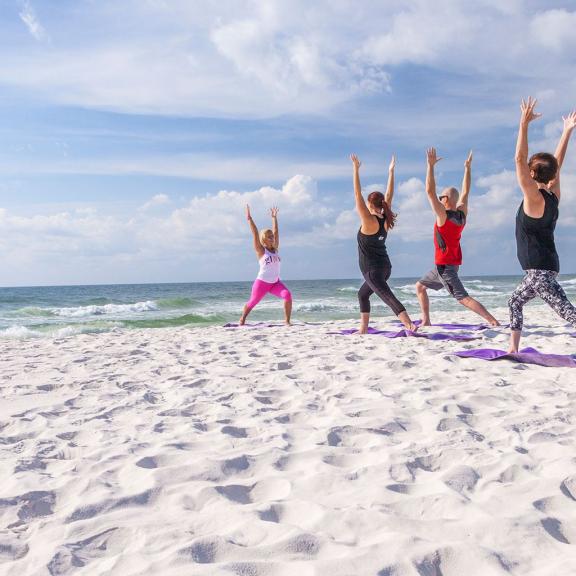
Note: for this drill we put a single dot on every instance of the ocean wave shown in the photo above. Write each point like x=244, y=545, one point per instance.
x=33, y=311
x=93, y=310
x=18, y=332
x=348, y=289
x=173, y=322
x=570, y=282
x=175, y=303
x=315, y=307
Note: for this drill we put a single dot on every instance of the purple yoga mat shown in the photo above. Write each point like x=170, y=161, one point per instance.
x=255, y=325
x=455, y=326
x=408, y=333
x=526, y=356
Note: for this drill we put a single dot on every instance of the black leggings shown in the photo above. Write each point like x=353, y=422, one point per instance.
x=541, y=283
x=375, y=280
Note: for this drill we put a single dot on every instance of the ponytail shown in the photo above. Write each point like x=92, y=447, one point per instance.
x=377, y=200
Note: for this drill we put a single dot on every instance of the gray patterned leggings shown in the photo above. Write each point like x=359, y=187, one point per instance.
x=541, y=283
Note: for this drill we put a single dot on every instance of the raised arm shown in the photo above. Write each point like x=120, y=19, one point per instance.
x=274, y=214
x=569, y=125
x=366, y=217
x=466, y=182
x=527, y=183
x=439, y=210
x=390, y=187
x=256, y=238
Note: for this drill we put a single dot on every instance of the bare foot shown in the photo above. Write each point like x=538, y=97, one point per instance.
x=242, y=320
x=495, y=322
x=427, y=323
x=363, y=331
x=288, y=323
x=411, y=326
x=513, y=351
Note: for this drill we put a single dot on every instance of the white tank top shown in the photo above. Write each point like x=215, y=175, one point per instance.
x=269, y=267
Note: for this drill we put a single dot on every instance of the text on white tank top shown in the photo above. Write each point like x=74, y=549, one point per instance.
x=269, y=267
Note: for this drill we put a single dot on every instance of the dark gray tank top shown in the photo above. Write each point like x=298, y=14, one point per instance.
x=372, y=251
x=535, y=236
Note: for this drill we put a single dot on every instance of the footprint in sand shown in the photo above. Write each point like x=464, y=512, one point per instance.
x=234, y=431
x=462, y=479
x=558, y=531
x=71, y=557
x=568, y=487
x=9, y=552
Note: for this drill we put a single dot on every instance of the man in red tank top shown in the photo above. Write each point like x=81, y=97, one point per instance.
x=451, y=210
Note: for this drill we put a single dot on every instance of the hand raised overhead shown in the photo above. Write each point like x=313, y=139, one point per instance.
x=274, y=211
x=355, y=161
x=468, y=161
x=432, y=157
x=392, y=163
x=570, y=121
x=527, y=110
x=248, y=215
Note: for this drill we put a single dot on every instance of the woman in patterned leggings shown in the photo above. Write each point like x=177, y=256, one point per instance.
x=539, y=178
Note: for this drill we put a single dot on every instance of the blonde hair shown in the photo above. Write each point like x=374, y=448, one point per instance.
x=263, y=234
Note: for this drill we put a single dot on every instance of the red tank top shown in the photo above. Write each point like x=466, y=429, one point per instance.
x=447, y=239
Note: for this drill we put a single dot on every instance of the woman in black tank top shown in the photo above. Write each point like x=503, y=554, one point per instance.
x=376, y=219
x=536, y=219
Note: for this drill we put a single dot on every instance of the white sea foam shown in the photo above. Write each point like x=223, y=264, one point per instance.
x=17, y=332
x=94, y=310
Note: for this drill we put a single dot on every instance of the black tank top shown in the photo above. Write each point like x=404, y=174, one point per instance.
x=535, y=236
x=372, y=248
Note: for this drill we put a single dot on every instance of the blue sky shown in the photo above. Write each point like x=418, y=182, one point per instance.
x=133, y=132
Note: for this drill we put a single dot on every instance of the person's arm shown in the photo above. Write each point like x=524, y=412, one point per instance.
x=569, y=125
x=256, y=238
x=528, y=185
x=366, y=217
x=274, y=214
x=439, y=210
x=390, y=187
x=466, y=182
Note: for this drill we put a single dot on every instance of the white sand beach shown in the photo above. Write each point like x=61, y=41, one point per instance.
x=286, y=451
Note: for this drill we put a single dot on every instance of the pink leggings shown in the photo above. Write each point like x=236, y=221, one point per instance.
x=261, y=288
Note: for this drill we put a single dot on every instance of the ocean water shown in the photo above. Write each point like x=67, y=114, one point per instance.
x=67, y=310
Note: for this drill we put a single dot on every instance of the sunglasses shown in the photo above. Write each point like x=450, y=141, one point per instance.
x=442, y=197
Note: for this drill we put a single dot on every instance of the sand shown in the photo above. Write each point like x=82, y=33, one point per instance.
x=286, y=451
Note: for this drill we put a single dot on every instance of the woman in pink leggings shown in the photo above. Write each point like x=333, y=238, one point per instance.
x=268, y=279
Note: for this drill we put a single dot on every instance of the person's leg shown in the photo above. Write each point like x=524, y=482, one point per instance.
x=452, y=283
x=523, y=293
x=431, y=280
x=475, y=306
x=279, y=289
x=259, y=290
x=377, y=279
x=364, y=299
x=549, y=289
x=422, y=294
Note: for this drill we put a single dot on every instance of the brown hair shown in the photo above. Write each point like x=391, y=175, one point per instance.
x=376, y=199
x=544, y=166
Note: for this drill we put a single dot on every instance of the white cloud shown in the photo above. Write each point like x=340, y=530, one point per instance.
x=554, y=30
x=154, y=202
x=88, y=239
x=261, y=58
x=28, y=16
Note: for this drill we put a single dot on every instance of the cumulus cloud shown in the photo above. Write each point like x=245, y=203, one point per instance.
x=262, y=58
x=155, y=201
x=214, y=225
